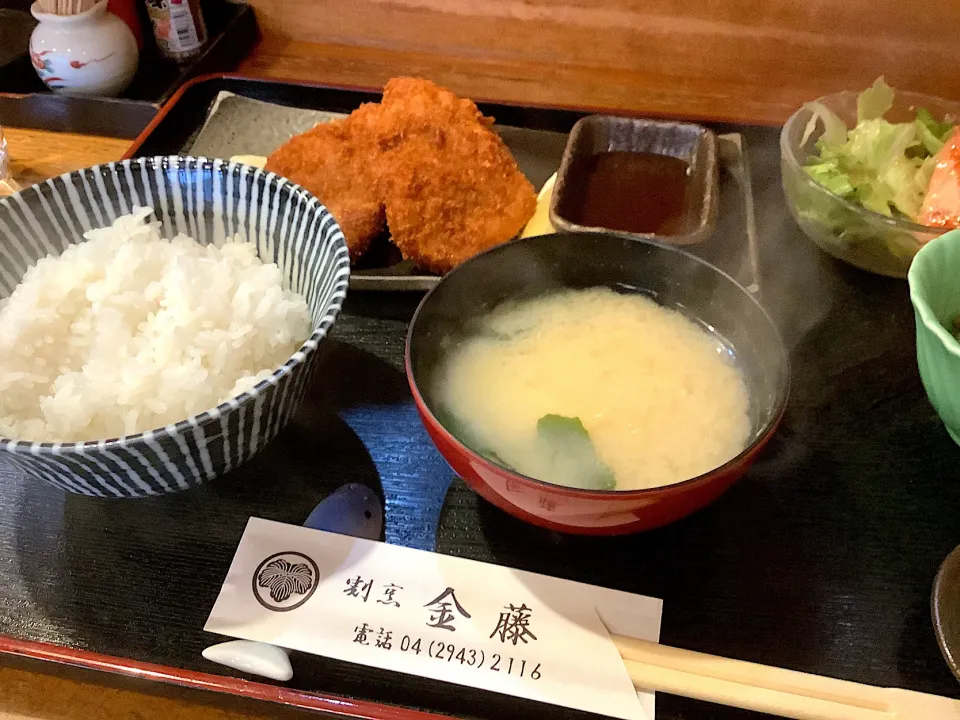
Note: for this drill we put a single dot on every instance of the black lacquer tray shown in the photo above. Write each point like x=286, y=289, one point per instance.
x=820, y=559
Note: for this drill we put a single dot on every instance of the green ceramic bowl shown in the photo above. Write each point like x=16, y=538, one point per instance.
x=935, y=293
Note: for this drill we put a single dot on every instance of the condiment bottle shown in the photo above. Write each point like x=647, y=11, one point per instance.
x=178, y=27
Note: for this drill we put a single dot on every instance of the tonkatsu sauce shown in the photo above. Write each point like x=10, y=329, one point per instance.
x=636, y=192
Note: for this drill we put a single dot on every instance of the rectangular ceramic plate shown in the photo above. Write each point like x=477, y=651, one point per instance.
x=239, y=125
x=222, y=116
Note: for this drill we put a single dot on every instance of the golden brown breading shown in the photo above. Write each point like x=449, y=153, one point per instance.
x=336, y=161
x=450, y=185
x=418, y=102
x=424, y=161
x=446, y=203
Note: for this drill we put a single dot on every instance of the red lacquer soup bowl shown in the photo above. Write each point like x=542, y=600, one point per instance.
x=531, y=267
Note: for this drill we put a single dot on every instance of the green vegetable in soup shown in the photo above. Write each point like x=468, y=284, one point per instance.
x=563, y=443
x=572, y=458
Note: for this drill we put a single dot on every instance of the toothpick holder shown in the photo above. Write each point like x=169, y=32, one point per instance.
x=89, y=53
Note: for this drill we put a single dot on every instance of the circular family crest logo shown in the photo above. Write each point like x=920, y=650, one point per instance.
x=285, y=581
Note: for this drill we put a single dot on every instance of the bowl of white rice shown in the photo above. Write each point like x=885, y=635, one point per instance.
x=160, y=319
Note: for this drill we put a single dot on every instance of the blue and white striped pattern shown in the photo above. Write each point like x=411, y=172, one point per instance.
x=209, y=200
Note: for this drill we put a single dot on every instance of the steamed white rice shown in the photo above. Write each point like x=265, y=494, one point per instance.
x=128, y=332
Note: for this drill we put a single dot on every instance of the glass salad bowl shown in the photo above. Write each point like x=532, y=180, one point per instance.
x=845, y=229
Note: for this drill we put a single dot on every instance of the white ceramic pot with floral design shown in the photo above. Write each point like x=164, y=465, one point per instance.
x=91, y=53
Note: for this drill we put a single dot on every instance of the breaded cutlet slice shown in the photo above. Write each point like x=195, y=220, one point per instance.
x=448, y=200
x=422, y=159
x=423, y=102
x=449, y=183
x=336, y=161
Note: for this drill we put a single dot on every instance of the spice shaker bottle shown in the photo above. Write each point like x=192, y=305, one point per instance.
x=178, y=27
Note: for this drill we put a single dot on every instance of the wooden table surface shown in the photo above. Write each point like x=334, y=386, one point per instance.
x=26, y=695
x=36, y=155
x=748, y=61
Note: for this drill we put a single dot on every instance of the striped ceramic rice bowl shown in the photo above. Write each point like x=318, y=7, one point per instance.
x=208, y=200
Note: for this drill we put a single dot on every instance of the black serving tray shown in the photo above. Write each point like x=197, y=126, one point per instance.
x=104, y=117
x=820, y=559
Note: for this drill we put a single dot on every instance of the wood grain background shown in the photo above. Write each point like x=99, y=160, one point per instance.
x=750, y=60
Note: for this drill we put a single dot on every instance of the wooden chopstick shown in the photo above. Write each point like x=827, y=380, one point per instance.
x=771, y=690
x=747, y=697
x=753, y=674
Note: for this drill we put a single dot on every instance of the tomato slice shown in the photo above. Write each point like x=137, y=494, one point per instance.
x=941, y=206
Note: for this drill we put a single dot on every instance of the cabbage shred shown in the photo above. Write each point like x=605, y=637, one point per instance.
x=883, y=166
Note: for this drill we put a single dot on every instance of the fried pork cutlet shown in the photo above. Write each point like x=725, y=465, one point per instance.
x=425, y=162
x=336, y=161
x=414, y=103
x=450, y=185
x=442, y=210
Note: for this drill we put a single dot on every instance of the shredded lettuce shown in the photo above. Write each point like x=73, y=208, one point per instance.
x=834, y=129
x=940, y=130
x=875, y=101
x=931, y=143
x=883, y=166
x=832, y=177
